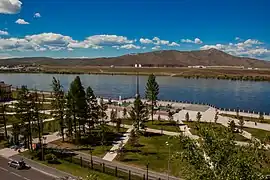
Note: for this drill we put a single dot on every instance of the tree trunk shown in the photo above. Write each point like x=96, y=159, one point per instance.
x=152, y=111
x=5, y=125
x=30, y=134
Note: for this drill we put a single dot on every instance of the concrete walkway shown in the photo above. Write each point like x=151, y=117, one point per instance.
x=118, y=145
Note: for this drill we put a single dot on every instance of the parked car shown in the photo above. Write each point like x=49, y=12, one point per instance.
x=18, y=164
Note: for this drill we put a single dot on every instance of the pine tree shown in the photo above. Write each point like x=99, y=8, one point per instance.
x=232, y=126
x=79, y=105
x=92, y=108
x=68, y=116
x=133, y=138
x=3, y=108
x=58, y=104
x=24, y=115
x=216, y=117
x=151, y=93
x=241, y=123
x=199, y=116
x=103, y=116
x=35, y=108
x=139, y=114
x=125, y=113
x=187, y=117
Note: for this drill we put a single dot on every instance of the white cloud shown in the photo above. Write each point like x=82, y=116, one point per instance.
x=195, y=41
x=245, y=48
x=173, y=44
x=130, y=46
x=144, y=47
x=108, y=40
x=37, y=15
x=50, y=39
x=186, y=41
x=21, y=21
x=237, y=38
x=10, y=6
x=198, y=41
x=146, y=41
x=156, y=48
x=252, y=41
x=5, y=33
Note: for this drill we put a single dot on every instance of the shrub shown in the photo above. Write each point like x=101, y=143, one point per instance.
x=51, y=158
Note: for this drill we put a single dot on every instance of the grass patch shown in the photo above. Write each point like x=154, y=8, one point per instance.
x=259, y=133
x=164, y=125
x=152, y=149
x=246, y=118
x=3, y=144
x=74, y=169
x=194, y=129
x=160, y=125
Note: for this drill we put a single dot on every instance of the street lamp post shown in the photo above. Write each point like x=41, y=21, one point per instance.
x=137, y=80
x=167, y=143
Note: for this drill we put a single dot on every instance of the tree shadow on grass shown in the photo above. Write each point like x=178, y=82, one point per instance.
x=150, y=134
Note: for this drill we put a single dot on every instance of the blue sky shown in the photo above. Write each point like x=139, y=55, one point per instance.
x=86, y=28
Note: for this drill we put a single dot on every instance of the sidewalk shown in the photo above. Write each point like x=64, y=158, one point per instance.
x=118, y=145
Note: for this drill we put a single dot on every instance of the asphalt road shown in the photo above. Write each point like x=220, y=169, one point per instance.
x=9, y=173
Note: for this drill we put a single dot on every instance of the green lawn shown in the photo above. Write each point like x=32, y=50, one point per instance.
x=3, y=144
x=258, y=133
x=194, y=130
x=246, y=118
x=74, y=169
x=160, y=125
x=163, y=125
x=152, y=149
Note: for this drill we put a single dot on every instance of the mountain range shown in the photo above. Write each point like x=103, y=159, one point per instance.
x=164, y=58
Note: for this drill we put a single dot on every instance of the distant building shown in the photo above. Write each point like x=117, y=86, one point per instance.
x=5, y=90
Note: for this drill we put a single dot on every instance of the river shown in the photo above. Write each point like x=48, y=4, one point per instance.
x=246, y=95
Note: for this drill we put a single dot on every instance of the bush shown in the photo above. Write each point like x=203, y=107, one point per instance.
x=51, y=158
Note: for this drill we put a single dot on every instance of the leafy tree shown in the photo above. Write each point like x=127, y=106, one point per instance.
x=187, y=116
x=241, y=123
x=151, y=93
x=199, y=116
x=216, y=117
x=226, y=160
x=139, y=114
x=58, y=104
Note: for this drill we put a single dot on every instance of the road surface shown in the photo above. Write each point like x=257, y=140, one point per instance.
x=9, y=173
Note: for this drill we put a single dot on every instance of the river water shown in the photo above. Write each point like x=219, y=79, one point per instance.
x=246, y=95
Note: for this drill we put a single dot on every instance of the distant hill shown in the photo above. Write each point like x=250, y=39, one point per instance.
x=169, y=58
